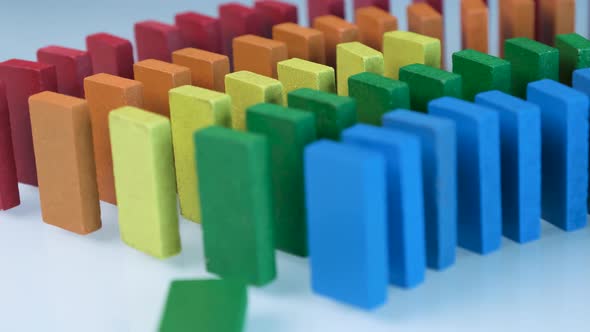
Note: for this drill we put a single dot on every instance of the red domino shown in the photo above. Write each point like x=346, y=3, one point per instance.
x=276, y=12
x=200, y=31
x=383, y=4
x=23, y=79
x=156, y=40
x=110, y=54
x=237, y=20
x=317, y=8
x=72, y=67
x=9, y=195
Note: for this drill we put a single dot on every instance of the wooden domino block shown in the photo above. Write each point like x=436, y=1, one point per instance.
x=242, y=250
x=200, y=31
x=405, y=203
x=520, y=135
x=317, y=8
x=373, y=23
x=105, y=93
x=436, y=4
x=381, y=4
x=288, y=132
x=303, y=43
x=564, y=119
x=517, y=19
x=376, y=95
x=275, y=12
x=9, y=192
x=531, y=61
x=296, y=74
x=554, y=17
x=474, y=24
x=224, y=301
x=336, y=30
x=143, y=164
x=158, y=77
x=191, y=109
x=481, y=72
x=353, y=58
x=110, y=55
x=428, y=83
x=208, y=69
x=247, y=89
x=581, y=82
x=23, y=79
x=72, y=67
x=425, y=20
x=62, y=137
x=401, y=48
x=156, y=40
x=333, y=113
x=238, y=20
x=258, y=55
x=479, y=185
x=439, y=174
x=574, y=53
x=346, y=193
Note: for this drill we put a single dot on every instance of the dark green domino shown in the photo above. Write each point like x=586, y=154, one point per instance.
x=205, y=305
x=428, y=83
x=288, y=131
x=333, y=113
x=237, y=213
x=574, y=53
x=481, y=72
x=531, y=61
x=376, y=95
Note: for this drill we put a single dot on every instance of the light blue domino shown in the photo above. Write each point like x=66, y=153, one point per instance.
x=564, y=168
x=346, y=216
x=439, y=173
x=478, y=167
x=405, y=208
x=520, y=146
x=581, y=80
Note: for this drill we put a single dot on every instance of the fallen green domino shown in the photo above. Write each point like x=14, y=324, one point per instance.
x=574, y=53
x=481, y=72
x=428, y=83
x=288, y=131
x=236, y=204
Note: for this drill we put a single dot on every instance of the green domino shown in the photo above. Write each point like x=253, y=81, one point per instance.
x=205, y=305
x=333, y=113
x=531, y=61
x=574, y=53
x=236, y=204
x=427, y=83
x=288, y=131
x=481, y=72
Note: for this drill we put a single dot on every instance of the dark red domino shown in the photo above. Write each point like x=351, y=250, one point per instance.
x=317, y=8
x=72, y=67
x=156, y=40
x=276, y=12
x=110, y=54
x=200, y=31
x=9, y=195
x=237, y=20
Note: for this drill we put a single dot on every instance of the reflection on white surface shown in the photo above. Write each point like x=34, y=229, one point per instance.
x=52, y=280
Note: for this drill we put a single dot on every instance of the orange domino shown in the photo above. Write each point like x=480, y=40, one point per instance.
x=104, y=93
x=554, y=17
x=517, y=19
x=303, y=43
x=336, y=31
x=474, y=16
x=208, y=69
x=425, y=20
x=372, y=23
x=158, y=77
x=258, y=55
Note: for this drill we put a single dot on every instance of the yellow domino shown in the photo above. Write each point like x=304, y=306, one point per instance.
x=193, y=108
x=247, y=89
x=354, y=58
x=402, y=48
x=297, y=74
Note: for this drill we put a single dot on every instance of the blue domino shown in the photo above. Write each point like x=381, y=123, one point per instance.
x=346, y=215
x=564, y=169
x=478, y=166
x=581, y=80
x=520, y=146
x=405, y=208
x=439, y=173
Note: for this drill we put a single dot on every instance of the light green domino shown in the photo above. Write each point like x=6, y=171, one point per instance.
x=402, y=48
x=298, y=74
x=144, y=181
x=355, y=58
x=247, y=89
x=193, y=108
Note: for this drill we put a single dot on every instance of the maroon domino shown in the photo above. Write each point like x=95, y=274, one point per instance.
x=200, y=31
x=9, y=195
x=72, y=67
x=156, y=40
x=276, y=12
x=237, y=20
x=110, y=55
x=317, y=8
